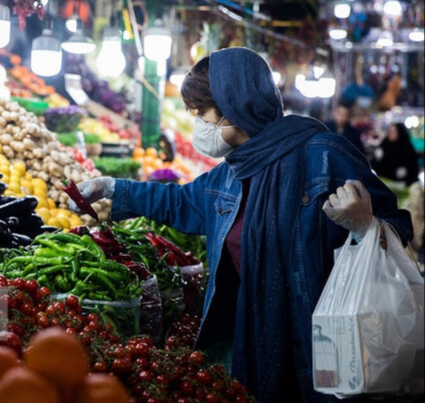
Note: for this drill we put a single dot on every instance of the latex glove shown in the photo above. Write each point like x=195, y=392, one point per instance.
x=94, y=190
x=350, y=208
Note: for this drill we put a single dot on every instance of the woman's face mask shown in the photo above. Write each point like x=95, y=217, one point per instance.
x=207, y=139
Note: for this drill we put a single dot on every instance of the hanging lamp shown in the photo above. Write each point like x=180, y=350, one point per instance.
x=4, y=26
x=111, y=61
x=78, y=43
x=157, y=41
x=46, y=54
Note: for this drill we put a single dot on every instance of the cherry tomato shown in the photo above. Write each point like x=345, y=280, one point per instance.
x=31, y=287
x=72, y=301
x=196, y=358
x=11, y=340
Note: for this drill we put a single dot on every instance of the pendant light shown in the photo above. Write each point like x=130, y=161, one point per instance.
x=46, y=54
x=4, y=26
x=111, y=61
x=78, y=43
x=157, y=41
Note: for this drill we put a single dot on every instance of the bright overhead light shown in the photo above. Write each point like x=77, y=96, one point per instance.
x=46, y=54
x=157, y=41
x=337, y=33
x=111, y=61
x=385, y=40
x=393, y=8
x=417, y=35
x=79, y=44
x=4, y=26
x=71, y=23
x=342, y=10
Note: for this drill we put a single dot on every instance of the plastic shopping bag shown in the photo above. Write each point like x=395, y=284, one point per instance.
x=368, y=325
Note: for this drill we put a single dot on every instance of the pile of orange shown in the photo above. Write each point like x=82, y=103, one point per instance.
x=54, y=368
x=151, y=159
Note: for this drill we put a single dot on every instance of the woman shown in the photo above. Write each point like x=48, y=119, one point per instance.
x=269, y=244
x=396, y=158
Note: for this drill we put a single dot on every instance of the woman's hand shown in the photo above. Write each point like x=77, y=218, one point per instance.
x=94, y=190
x=350, y=208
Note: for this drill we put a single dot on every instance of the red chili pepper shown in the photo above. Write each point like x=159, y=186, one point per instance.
x=99, y=237
x=71, y=189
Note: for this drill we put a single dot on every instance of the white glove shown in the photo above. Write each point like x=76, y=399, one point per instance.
x=94, y=190
x=350, y=208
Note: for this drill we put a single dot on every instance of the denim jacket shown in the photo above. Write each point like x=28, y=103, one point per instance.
x=209, y=205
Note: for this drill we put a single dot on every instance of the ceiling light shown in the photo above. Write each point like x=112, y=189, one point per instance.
x=78, y=43
x=417, y=35
x=342, y=10
x=337, y=33
x=111, y=61
x=4, y=26
x=46, y=54
x=71, y=23
x=393, y=8
x=385, y=40
x=157, y=41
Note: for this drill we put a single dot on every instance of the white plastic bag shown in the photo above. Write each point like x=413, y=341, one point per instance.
x=368, y=325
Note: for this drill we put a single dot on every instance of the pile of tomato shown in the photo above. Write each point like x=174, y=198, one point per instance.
x=152, y=374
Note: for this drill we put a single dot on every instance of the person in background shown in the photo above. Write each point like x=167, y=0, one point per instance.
x=284, y=197
x=396, y=158
x=340, y=124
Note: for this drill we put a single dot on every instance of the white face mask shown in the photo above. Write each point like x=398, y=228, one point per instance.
x=207, y=139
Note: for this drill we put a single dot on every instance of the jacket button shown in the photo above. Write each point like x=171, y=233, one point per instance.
x=305, y=198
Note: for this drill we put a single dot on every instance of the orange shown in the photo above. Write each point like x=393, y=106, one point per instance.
x=58, y=356
x=8, y=359
x=22, y=385
x=101, y=388
x=152, y=152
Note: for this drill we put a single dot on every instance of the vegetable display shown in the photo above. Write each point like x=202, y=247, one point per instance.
x=173, y=374
x=25, y=139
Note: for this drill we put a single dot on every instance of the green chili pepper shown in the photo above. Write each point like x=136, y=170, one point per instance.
x=49, y=252
x=103, y=277
x=53, y=269
x=61, y=283
x=93, y=247
x=81, y=288
x=44, y=281
x=67, y=238
x=111, y=267
x=75, y=270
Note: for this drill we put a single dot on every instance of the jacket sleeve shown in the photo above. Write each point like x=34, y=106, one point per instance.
x=179, y=206
x=342, y=161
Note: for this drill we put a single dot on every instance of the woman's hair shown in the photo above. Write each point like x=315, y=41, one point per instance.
x=195, y=89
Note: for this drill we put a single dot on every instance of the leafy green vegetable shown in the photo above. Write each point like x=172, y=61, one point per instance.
x=117, y=167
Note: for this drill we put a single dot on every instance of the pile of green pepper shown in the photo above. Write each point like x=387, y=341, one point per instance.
x=72, y=264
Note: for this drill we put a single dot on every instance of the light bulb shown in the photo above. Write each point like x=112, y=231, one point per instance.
x=46, y=55
x=416, y=35
x=4, y=26
x=78, y=43
x=342, y=10
x=110, y=61
x=337, y=33
x=157, y=42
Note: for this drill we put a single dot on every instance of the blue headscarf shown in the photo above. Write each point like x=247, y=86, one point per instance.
x=273, y=160
x=236, y=74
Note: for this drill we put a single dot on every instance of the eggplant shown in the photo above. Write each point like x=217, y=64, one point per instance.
x=3, y=187
x=22, y=207
x=21, y=239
